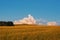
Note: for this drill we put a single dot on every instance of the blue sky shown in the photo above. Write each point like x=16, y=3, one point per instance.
x=17, y=9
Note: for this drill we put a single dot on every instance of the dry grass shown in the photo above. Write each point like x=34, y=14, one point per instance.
x=29, y=32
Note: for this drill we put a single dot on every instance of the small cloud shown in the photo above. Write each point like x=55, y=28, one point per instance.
x=53, y=23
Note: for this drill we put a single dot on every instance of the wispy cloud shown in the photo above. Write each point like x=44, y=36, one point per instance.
x=41, y=21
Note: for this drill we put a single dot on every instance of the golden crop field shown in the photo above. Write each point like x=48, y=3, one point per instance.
x=29, y=32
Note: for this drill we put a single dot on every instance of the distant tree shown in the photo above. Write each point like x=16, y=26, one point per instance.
x=4, y=23
x=9, y=23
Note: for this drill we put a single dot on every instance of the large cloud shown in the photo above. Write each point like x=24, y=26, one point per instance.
x=26, y=20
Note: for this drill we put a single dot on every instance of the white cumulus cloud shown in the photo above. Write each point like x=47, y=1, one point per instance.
x=26, y=20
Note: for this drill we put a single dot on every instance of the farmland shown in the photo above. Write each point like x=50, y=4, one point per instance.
x=29, y=32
